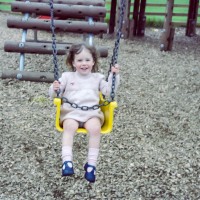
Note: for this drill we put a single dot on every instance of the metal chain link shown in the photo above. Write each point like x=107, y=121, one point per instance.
x=116, y=47
x=55, y=61
x=85, y=108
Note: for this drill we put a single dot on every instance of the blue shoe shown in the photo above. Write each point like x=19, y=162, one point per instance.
x=67, y=168
x=90, y=172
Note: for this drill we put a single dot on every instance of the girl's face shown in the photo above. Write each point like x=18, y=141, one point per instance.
x=83, y=62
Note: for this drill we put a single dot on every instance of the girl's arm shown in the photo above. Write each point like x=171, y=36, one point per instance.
x=105, y=87
x=115, y=69
x=57, y=86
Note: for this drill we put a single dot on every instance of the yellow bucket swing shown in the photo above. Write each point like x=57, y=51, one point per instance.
x=107, y=107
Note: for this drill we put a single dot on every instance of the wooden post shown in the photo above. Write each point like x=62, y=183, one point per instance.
x=142, y=19
x=125, y=26
x=131, y=27
x=165, y=37
x=192, y=18
x=135, y=16
x=171, y=39
x=112, y=16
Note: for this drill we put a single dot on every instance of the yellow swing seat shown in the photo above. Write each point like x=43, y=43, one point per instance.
x=107, y=110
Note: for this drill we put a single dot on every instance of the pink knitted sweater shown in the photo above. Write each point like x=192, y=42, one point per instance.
x=84, y=91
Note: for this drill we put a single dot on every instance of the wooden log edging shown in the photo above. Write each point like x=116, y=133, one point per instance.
x=60, y=25
x=65, y=11
x=43, y=48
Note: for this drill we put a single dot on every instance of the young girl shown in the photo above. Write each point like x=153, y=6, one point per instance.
x=82, y=87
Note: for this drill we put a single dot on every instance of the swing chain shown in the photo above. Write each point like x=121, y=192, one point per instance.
x=116, y=48
x=55, y=61
x=113, y=60
x=85, y=108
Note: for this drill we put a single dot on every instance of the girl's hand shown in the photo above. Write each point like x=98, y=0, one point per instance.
x=56, y=86
x=115, y=69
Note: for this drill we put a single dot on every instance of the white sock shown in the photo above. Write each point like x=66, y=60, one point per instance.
x=66, y=153
x=93, y=154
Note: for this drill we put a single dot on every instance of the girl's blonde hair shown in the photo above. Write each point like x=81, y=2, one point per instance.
x=76, y=49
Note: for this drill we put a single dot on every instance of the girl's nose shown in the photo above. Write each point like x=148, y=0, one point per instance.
x=84, y=62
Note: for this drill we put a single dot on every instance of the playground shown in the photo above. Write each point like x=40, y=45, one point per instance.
x=153, y=151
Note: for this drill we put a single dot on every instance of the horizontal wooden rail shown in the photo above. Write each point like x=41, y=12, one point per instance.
x=163, y=14
x=164, y=5
x=28, y=76
x=179, y=24
x=43, y=48
x=60, y=25
x=72, y=2
x=155, y=4
x=155, y=13
x=60, y=10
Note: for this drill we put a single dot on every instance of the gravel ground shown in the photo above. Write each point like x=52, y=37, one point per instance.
x=154, y=149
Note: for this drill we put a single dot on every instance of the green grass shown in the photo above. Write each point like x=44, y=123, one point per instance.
x=5, y=7
x=157, y=21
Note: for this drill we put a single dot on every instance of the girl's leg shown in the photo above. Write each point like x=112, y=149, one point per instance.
x=93, y=126
x=69, y=126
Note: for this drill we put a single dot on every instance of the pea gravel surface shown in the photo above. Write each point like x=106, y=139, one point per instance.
x=153, y=152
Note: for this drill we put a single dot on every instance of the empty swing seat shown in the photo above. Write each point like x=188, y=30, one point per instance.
x=107, y=110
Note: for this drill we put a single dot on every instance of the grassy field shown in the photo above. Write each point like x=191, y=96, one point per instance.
x=4, y=6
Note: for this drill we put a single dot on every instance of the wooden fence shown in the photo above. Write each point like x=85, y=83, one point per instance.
x=175, y=14
x=5, y=6
x=150, y=14
x=179, y=15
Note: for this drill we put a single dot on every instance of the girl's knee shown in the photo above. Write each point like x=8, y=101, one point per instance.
x=94, y=126
x=70, y=124
x=95, y=131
